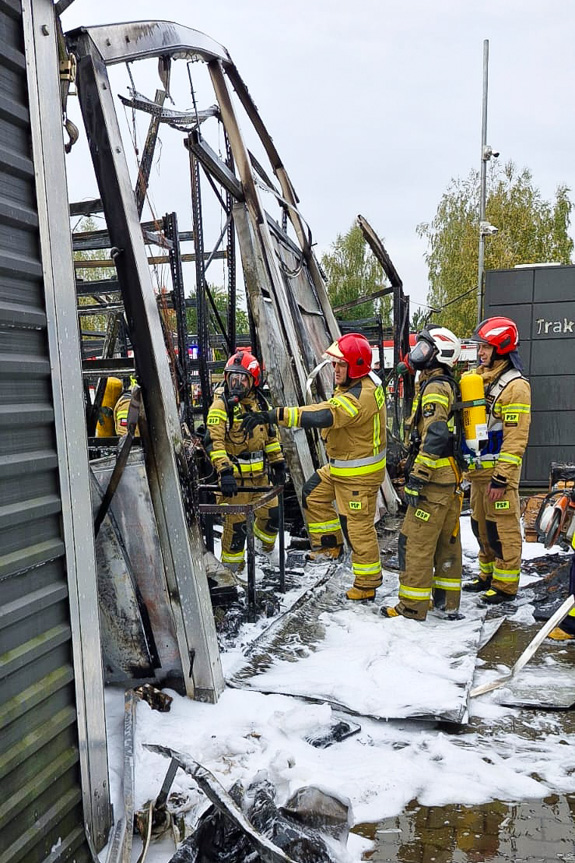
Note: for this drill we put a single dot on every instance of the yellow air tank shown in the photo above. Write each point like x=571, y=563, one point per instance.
x=105, y=425
x=474, y=416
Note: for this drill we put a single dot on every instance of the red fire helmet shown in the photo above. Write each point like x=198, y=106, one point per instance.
x=355, y=350
x=500, y=332
x=242, y=361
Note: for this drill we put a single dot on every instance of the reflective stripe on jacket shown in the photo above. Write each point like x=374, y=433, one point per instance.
x=229, y=446
x=508, y=397
x=434, y=461
x=353, y=425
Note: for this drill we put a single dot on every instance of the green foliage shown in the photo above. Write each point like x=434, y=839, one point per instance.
x=418, y=320
x=531, y=230
x=352, y=271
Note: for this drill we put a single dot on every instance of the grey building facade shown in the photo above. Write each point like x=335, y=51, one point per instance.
x=541, y=300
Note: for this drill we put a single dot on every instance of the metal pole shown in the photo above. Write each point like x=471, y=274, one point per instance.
x=282, y=549
x=251, y=555
x=483, y=182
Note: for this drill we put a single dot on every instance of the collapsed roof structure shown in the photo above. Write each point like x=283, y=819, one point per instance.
x=48, y=562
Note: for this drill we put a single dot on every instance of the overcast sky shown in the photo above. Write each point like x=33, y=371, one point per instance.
x=374, y=106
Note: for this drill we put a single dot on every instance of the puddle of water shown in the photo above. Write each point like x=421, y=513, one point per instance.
x=531, y=832
x=528, y=832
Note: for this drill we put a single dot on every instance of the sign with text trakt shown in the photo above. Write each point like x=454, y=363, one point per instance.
x=562, y=326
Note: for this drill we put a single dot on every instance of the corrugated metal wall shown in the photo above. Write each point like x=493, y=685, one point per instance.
x=541, y=300
x=41, y=808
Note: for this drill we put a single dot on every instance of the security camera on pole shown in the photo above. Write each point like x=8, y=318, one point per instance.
x=485, y=229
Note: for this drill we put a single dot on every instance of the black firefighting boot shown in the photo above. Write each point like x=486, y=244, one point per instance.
x=495, y=597
x=477, y=585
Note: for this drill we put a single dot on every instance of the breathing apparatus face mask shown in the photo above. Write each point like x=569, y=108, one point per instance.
x=423, y=354
x=239, y=385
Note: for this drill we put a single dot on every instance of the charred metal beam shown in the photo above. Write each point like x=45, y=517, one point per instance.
x=83, y=241
x=179, y=302
x=361, y=300
x=86, y=208
x=148, y=155
x=177, y=119
x=273, y=280
x=231, y=250
x=261, y=172
x=202, y=291
x=109, y=263
x=186, y=579
x=138, y=40
x=400, y=318
x=214, y=165
x=62, y=5
x=98, y=287
x=300, y=227
x=119, y=367
x=380, y=252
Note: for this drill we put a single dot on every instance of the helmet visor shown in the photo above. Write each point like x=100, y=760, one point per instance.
x=333, y=353
x=422, y=354
x=238, y=383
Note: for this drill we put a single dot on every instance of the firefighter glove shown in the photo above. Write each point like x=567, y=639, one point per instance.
x=278, y=472
x=412, y=490
x=257, y=418
x=228, y=482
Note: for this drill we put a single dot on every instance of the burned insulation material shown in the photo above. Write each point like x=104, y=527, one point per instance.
x=295, y=829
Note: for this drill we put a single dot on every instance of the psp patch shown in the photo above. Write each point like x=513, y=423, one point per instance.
x=422, y=514
x=511, y=419
x=355, y=504
x=502, y=504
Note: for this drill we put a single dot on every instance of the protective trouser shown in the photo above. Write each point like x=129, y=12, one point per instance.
x=266, y=524
x=430, y=553
x=353, y=516
x=497, y=527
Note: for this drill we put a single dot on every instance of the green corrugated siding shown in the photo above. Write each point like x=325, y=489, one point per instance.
x=41, y=802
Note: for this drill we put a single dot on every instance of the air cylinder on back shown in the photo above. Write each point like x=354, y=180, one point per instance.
x=474, y=413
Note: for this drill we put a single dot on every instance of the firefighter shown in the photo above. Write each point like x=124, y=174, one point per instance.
x=241, y=459
x=352, y=426
x=429, y=542
x=494, y=473
x=121, y=409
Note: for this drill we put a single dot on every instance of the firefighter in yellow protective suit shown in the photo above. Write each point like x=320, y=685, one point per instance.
x=429, y=542
x=121, y=409
x=241, y=458
x=494, y=473
x=353, y=429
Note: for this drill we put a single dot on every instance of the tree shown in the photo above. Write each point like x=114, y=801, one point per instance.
x=530, y=230
x=418, y=319
x=352, y=271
